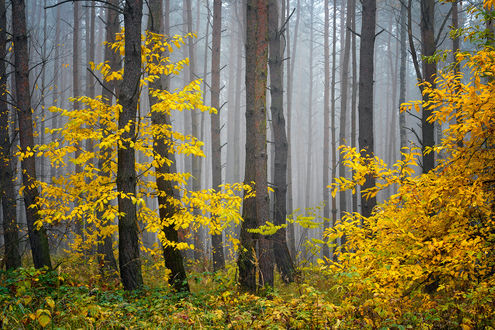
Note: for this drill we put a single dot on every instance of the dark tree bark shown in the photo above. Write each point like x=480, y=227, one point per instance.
x=280, y=249
x=37, y=234
x=130, y=264
x=354, y=94
x=7, y=193
x=216, y=152
x=256, y=249
x=365, y=108
x=326, y=123
x=429, y=71
x=161, y=148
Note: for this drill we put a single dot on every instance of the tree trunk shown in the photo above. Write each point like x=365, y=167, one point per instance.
x=255, y=210
x=280, y=249
x=326, y=123
x=7, y=193
x=365, y=108
x=106, y=258
x=354, y=89
x=56, y=78
x=291, y=55
x=37, y=234
x=161, y=148
x=402, y=76
x=130, y=264
x=332, y=100
x=429, y=71
x=216, y=152
x=195, y=124
x=344, y=87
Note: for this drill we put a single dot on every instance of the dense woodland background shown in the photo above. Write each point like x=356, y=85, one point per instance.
x=291, y=81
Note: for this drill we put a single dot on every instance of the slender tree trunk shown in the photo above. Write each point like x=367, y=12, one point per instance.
x=37, y=234
x=344, y=88
x=106, y=258
x=326, y=123
x=161, y=148
x=130, y=264
x=256, y=249
x=366, y=68
x=291, y=55
x=332, y=107
x=216, y=152
x=429, y=71
x=402, y=76
x=309, y=155
x=7, y=193
x=354, y=94
x=195, y=124
x=76, y=93
x=280, y=249
x=56, y=78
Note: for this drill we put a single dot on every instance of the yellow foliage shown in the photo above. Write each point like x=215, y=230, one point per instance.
x=80, y=197
x=428, y=249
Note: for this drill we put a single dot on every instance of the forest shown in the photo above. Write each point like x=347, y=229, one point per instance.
x=282, y=164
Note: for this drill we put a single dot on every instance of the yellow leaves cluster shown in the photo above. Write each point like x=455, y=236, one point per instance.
x=90, y=195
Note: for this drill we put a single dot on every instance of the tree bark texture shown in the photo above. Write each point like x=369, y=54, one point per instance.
x=37, y=234
x=429, y=71
x=280, y=249
x=256, y=249
x=365, y=108
x=7, y=193
x=130, y=264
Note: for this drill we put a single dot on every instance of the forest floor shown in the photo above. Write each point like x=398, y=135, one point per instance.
x=74, y=297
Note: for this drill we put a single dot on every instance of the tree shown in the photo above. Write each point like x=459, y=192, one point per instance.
x=7, y=193
x=365, y=108
x=37, y=233
x=106, y=258
x=326, y=124
x=129, y=261
x=216, y=155
x=280, y=249
x=162, y=152
x=256, y=248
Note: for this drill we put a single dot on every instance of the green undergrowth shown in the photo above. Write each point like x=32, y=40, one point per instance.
x=32, y=298
x=74, y=299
